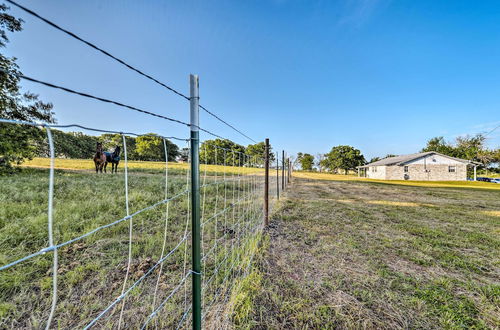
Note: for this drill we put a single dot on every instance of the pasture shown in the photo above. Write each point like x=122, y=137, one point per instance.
x=137, y=166
x=340, y=252
x=92, y=270
x=357, y=254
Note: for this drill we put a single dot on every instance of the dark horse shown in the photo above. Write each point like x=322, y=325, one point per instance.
x=113, y=158
x=99, y=158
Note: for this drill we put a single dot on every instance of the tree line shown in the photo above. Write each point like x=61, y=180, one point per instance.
x=227, y=152
x=342, y=159
x=77, y=145
x=82, y=146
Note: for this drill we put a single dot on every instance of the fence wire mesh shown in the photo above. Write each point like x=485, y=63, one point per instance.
x=80, y=250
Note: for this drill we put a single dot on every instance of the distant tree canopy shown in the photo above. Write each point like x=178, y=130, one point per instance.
x=466, y=147
x=344, y=158
x=438, y=144
x=81, y=146
x=221, y=152
x=18, y=142
x=306, y=161
x=471, y=147
x=374, y=159
x=68, y=145
x=257, y=153
x=150, y=147
x=390, y=155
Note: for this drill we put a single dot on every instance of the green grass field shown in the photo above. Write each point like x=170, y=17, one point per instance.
x=353, y=254
x=91, y=271
x=341, y=252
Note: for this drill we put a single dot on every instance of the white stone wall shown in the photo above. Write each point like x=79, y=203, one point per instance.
x=421, y=172
x=376, y=172
x=429, y=168
x=436, y=168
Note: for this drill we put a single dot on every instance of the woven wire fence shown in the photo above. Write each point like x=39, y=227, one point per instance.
x=114, y=251
x=80, y=250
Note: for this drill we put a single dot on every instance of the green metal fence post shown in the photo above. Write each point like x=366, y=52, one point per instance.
x=277, y=175
x=195, y=200
x=283, y=170
x=266, y=185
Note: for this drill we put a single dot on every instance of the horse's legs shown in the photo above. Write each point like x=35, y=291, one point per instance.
x=96, y=167
x=105, y=165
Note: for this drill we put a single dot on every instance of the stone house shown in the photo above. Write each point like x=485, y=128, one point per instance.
x=424, y=166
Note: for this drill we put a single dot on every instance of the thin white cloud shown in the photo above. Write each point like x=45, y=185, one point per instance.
x=486, y=126
x=358, y=12
x=492, y=130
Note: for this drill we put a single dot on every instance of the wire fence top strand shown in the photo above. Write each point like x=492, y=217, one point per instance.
x=124, y=63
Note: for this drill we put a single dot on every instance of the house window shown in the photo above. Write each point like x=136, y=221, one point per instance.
x=452, y=169
x=406, y=169
x=374, y=169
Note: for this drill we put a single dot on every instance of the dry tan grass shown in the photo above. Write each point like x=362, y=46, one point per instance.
x=348, y=201
x=492, y=213
x=394, y=203
x=351, y=254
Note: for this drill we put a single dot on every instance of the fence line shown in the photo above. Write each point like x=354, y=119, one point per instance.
x=240, y=215
x=227, y=216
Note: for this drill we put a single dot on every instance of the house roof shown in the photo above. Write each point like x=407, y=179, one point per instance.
x=401, y=160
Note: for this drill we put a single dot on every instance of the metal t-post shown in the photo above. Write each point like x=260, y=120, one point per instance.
x=283, y=171
x=195, y=200
x=277, y=175
x=266, y=186
x=289, y=171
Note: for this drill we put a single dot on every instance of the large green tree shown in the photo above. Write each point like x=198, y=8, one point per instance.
x=257, y=153
x=222, y=151
x=17, y=142
x=438, y=144
x=343, y=157
x=470, y=147
x=150, y=147
x=306, y=161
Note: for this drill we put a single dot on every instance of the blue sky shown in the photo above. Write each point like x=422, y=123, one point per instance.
x=383, y=76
